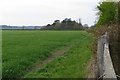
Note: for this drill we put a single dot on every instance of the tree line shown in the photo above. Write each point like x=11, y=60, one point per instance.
x=109, y=13
x=66, y=24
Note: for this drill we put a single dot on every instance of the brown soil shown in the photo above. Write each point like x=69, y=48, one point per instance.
x=92, y=69
x=49, y=59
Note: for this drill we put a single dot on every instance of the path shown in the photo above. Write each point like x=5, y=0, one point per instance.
x=49, y=59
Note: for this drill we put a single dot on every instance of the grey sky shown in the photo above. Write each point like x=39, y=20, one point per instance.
x=42, y=12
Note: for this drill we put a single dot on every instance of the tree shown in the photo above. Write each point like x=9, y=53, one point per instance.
x=85, y=26
x=119, y=12
x=66, y=24
x=107, y=13
x=23, y=27
x=48, y=25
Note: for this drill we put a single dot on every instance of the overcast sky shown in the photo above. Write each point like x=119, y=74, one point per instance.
x=43, y=12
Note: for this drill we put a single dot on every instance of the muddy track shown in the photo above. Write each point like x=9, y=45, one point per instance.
x=49, y=59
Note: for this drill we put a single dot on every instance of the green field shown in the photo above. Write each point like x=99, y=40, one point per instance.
x=22, y=50
x=0, y=54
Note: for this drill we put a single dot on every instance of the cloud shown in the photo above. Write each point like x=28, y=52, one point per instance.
x=41, y=12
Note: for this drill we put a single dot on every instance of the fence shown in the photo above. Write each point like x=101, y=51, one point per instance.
x=105, y=66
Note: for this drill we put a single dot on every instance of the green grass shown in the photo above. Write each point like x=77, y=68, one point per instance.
x=0, y=54
x=73, y=64
x=23, y=50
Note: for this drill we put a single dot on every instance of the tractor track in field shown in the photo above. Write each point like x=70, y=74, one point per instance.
x=49, y=59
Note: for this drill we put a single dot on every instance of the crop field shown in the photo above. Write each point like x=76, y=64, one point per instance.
x=23, y=50
x=0, y=54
